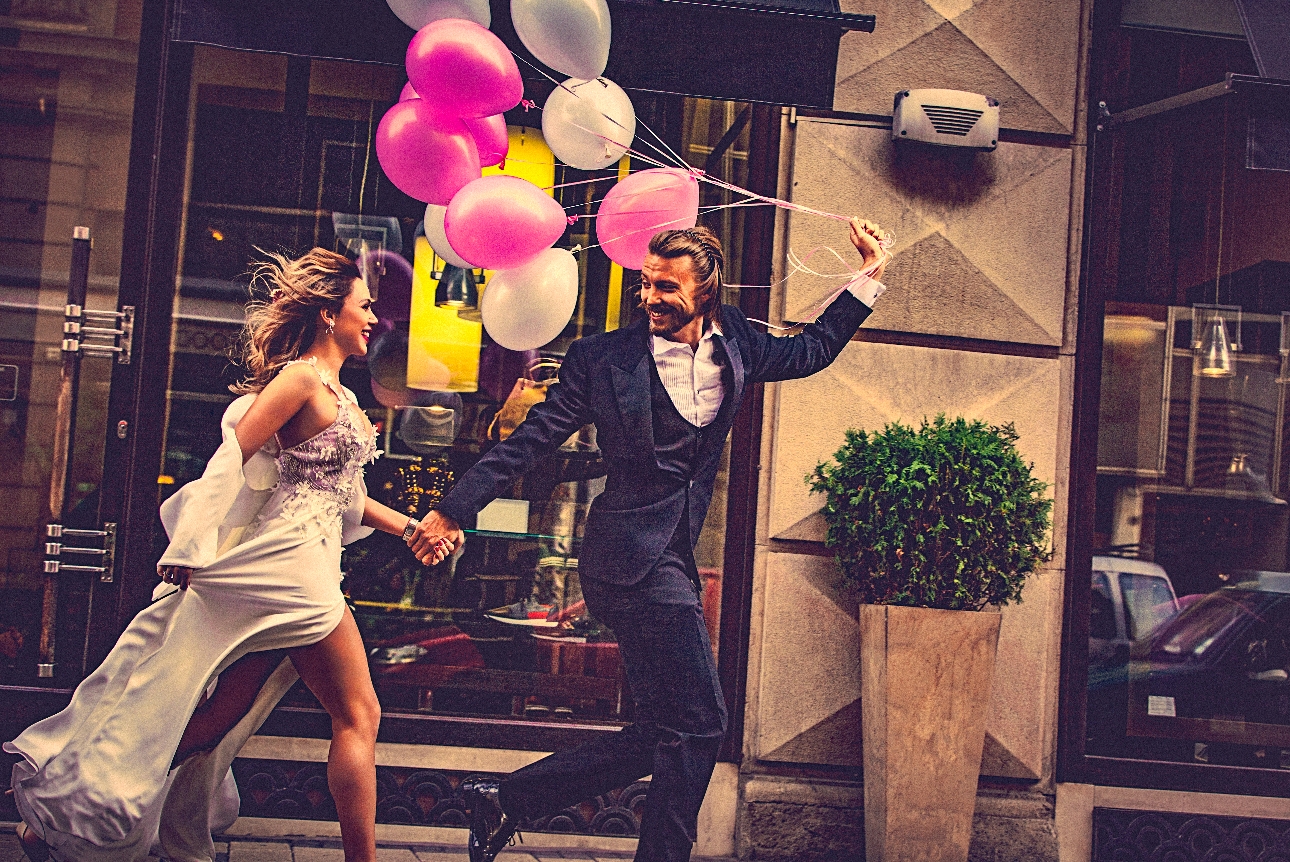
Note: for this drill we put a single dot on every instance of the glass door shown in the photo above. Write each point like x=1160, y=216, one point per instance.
x=67, y=80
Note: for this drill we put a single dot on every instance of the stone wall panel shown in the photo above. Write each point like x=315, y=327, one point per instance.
x=981, y=238
x=1021, y=52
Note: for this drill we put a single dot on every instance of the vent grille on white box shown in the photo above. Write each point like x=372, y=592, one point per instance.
x=952, y=121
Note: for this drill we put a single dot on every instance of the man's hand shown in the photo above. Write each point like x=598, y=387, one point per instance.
x=437, y=537
x=865, y=235
x=177, y=575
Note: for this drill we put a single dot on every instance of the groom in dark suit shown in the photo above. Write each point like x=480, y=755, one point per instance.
x=662, y=394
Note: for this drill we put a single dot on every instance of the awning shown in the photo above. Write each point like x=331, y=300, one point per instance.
x=782, y=52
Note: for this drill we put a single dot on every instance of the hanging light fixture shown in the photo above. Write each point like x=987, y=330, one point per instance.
x=1210, y=341
x=1216, y=338
x=457, y=288
x=1216, y=350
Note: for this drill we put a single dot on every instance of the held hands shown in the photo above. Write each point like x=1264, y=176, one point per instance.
x=177, y=575
x=865, y=236
x=436, y=538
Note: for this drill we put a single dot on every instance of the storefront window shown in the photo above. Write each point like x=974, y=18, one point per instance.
x=1189, y=609
x=67, y=81
x=282, y=159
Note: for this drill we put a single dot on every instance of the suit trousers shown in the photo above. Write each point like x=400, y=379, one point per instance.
x=680, y=717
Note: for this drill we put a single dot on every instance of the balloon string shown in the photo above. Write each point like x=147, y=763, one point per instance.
x=698, y=174
x=657, y=227
x=681, y=162
x=703, y=176
x=854, y=278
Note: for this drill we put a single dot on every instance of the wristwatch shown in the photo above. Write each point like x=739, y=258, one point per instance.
x=411, y=529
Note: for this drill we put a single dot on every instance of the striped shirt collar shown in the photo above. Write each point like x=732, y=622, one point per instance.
x=660, y=345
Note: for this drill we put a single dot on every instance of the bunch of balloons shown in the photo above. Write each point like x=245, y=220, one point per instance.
x=448, y=125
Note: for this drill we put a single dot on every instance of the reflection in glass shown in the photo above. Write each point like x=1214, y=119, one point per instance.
x=500, y=630
x=68, y=80
x=1192, y=463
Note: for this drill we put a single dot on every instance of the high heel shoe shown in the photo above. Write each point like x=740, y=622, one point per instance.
x=33, y=846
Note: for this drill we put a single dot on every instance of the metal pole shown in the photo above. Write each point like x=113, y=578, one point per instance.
x=60, y=477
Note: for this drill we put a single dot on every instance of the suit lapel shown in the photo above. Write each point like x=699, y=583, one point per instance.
x=632, y=392
x=736, y=364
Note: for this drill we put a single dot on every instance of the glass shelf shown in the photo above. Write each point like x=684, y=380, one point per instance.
x=534, y=537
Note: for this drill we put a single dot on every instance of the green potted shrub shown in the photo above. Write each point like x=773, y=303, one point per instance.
x=931, y=525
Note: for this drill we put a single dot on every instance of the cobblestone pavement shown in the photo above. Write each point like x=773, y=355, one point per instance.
x=302, y=850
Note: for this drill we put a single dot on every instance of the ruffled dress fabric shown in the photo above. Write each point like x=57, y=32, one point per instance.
x=265, y=542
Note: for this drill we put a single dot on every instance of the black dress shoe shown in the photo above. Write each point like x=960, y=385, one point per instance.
x=490, y=828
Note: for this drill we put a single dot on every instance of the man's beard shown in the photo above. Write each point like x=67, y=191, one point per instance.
x=672, y=321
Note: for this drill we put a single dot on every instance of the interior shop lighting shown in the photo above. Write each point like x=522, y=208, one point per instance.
x=457, y=288
x=1214, y=344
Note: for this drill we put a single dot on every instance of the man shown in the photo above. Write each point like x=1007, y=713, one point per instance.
x=662, y=394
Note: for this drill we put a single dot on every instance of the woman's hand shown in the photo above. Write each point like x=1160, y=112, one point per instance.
x=865, y=236
x=177, y=575
x=436, y=538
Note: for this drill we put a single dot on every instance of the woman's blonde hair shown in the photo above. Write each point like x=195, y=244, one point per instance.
x=283, y=325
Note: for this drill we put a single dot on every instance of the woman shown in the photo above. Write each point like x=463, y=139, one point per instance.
x=253, y=565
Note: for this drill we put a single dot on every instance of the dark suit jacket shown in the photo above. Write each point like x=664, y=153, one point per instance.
x=605, y=381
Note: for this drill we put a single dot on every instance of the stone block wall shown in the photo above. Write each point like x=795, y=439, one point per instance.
x=976, y=322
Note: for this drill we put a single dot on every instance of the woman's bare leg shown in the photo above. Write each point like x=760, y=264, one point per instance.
x=238, y=687
x=335, y=669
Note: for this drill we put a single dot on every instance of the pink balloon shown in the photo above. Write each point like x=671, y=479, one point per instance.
x=463, y=70
x=490, y=137
x=407, y=92
x=501, y=222
x=642, y=205
x=425, y=158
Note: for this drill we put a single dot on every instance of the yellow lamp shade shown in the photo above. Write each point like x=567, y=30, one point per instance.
x=443, y=349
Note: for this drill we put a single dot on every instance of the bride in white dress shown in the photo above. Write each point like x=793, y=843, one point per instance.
x=253, y=565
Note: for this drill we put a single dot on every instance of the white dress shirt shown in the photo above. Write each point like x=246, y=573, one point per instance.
x=693, y=379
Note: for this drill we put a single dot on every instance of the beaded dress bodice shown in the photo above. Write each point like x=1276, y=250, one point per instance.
x=317, y=479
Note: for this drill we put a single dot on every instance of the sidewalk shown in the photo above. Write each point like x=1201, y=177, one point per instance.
x=302, y=850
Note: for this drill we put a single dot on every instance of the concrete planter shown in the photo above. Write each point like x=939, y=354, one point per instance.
x=925, y=689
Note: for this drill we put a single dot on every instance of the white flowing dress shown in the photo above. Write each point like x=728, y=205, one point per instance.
x=265, y=543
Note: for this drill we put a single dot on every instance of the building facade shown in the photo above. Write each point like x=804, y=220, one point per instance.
x=1110, y=279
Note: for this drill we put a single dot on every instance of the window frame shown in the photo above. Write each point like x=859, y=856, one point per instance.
x=1113, y=83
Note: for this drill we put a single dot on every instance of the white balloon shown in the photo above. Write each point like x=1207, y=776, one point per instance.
x=589, y=125
x=570, y=36
x=527, y=307
x=439, y=240
x=418, y=13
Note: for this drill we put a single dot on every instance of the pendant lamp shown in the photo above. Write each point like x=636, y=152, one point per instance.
x=456, y=288
x=1213, y=342
x=1216, y=351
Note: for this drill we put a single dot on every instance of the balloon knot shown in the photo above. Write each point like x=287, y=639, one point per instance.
x=577, y=248
x=573, y=219
x=528, y=103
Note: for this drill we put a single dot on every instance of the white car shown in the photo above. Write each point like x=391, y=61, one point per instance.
x=1131, y=598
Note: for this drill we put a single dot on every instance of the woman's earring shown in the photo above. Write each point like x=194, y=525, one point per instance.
x=331, y=327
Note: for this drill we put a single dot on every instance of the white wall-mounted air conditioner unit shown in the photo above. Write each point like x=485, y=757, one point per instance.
x=948, y=118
